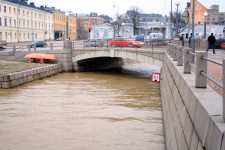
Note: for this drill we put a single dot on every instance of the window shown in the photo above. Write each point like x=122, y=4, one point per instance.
x=10, y=21
x=6, y=36
x=5, y=9
x=5, y=20
x=24, y=23
x=0, y=36
x=0, y=21
x=14, y=22
x=14, y=9
x=28, y=24
x=0, y=8
x=10, y=36
x=9, y=9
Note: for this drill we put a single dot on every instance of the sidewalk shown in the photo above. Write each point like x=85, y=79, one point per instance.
x=215, y=70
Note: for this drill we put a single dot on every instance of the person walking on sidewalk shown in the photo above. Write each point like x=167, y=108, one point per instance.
x=211, y=43
x=182, y=39
x=190, y=41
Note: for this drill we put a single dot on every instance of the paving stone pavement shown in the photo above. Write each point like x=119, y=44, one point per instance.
x=215, y=70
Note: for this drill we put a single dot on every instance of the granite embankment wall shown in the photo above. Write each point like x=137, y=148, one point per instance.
x=192, y=117
x=17, y=78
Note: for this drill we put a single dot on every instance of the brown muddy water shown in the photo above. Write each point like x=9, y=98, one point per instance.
x=82, y=111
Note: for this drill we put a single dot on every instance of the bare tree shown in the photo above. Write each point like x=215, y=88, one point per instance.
x=134, y=15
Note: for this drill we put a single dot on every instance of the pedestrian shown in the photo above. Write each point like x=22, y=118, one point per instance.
x=189, y=40
x=211, y=43
x=182, y=39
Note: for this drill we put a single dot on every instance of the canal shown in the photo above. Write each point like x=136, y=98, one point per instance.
x=82, y=111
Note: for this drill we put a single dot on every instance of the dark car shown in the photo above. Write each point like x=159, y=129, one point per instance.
x=2, y=45
x=39, y=44
x=220, y=44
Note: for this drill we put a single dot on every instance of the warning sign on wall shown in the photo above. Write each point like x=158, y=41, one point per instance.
x=156, y=77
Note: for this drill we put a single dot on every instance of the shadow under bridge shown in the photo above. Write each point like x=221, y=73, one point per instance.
x=107, y=59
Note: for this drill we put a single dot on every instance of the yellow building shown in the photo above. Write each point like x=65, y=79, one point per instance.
x=62, y=23
x=72, y=27
x=59, y=24
x=200, y=9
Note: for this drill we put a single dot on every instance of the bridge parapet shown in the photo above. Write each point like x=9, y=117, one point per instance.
x=193, y=117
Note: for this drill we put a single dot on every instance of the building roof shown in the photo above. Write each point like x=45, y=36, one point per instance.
x=26, y=4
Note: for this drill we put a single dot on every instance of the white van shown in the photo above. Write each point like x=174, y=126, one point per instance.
x=155, y=36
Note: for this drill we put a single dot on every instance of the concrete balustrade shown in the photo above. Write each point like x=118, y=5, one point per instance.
x=187, y=60
x=174, y=52
x=201, y=70
x=180, y=60
x=193, y=116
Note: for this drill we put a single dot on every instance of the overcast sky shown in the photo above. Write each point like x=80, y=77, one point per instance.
x=106, y=6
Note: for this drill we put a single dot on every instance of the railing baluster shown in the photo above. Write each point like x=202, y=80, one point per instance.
x=180, y=60
x=187, y=61
x=201, y=67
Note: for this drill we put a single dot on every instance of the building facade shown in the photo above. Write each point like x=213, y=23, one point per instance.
x=215, y=16
x=72, y=27
x=85, y=24
x=59, y=24
x=200, y=10
x=24, y=22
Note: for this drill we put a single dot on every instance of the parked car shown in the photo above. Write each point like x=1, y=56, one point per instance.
x=220, y=44
x=38, y=44
x=155, y=36
x=125, y=43
x=3, y=44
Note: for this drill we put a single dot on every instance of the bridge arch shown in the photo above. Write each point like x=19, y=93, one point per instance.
x=115, y=56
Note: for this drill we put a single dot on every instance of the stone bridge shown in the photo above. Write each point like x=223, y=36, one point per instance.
x=193, y=117
x=192, y=111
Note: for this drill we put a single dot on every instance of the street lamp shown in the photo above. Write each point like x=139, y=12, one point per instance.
x=171, y=20
x=193, y=26
x=205, y=16
x=177, y=16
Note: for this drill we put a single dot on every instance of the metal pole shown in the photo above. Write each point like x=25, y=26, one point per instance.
x=205, y=29
x=171, y=20
x=193, y=26
x=177, y=21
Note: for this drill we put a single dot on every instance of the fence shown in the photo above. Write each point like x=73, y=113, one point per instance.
x=184, y=57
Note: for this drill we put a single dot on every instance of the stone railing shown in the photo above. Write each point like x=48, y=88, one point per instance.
x=17, y=78
x=193, y=112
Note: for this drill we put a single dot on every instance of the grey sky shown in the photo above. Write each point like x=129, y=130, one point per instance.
x=106, y=6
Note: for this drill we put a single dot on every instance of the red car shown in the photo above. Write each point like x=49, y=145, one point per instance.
x=126, y=43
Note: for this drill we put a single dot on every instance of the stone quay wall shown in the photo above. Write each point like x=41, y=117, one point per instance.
x=18, y=78
x=192, y=117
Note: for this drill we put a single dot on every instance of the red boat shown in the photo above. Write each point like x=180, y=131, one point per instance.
x=126, y=43
x=40, y=58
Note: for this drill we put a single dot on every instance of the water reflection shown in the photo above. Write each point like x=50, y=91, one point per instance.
x=82, y=111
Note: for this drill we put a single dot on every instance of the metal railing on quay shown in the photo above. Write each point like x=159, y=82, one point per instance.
x=184, y=57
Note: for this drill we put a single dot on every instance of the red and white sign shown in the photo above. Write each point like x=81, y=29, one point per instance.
x=156, y=77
